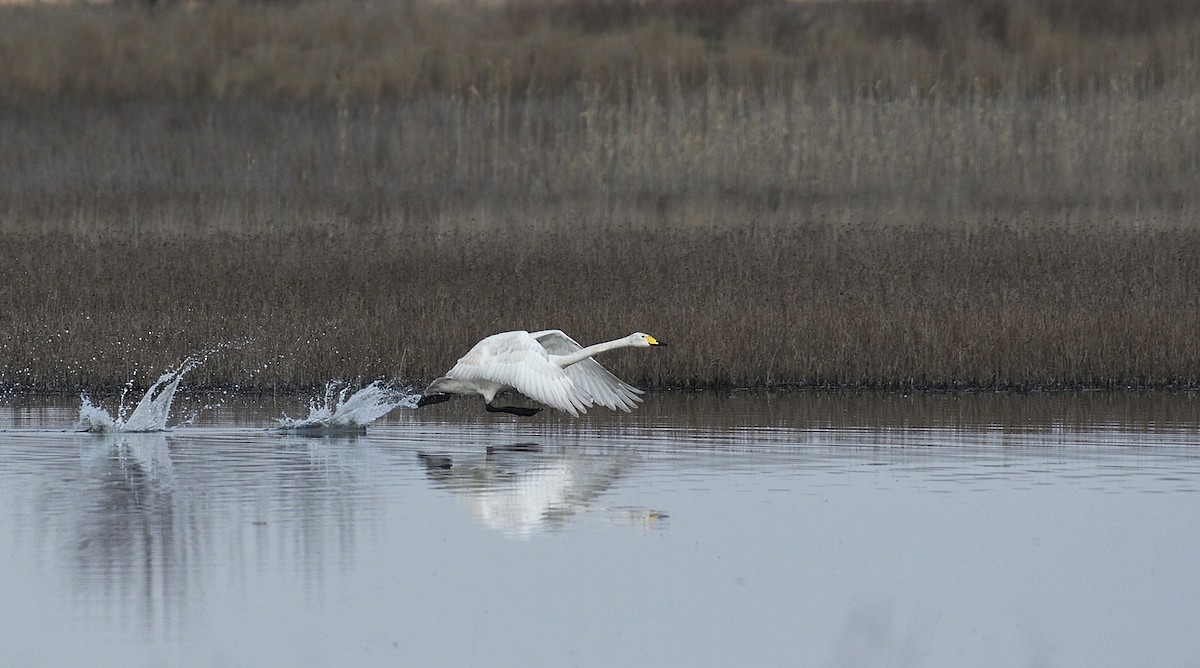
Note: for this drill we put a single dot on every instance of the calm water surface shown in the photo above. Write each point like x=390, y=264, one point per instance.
x=702, y=530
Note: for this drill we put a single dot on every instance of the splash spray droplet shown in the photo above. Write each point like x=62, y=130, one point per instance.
x=339, y=410
x=154, y=408
x=150, y=414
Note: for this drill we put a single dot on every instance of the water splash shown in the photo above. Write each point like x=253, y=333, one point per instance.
x=340, y=411
x=150, y=413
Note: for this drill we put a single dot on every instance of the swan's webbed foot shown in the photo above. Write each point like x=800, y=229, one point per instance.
x=435, y=398
x=514, y=410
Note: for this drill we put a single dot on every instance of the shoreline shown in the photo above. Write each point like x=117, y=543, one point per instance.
x=209, y=392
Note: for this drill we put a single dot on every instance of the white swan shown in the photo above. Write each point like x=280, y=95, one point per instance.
x=547, y=366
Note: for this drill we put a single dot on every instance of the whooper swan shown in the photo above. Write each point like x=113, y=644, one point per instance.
x=548, y=367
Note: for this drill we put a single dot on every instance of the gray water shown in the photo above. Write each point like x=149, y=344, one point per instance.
x=701, y=530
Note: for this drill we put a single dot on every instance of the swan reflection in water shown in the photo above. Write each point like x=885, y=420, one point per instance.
x=524, y=489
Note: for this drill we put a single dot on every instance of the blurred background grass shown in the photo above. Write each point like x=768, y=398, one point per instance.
x=373, y=49
x=856, y=194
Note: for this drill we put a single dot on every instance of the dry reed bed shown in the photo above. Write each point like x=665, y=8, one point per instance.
x=449, y=162
x=932, y=195
x=773, y=305
x=926, y=245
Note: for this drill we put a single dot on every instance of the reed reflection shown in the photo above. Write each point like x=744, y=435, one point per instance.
x=526, y=489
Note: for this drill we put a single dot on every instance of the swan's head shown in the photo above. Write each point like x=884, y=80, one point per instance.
x=642, y=340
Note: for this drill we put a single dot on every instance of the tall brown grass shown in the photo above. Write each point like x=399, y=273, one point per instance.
x=389, y=49
x=795, y=227
x=843, y=306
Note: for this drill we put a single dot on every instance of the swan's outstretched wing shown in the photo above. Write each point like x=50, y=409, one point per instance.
x=517, y=360
x=605, y=389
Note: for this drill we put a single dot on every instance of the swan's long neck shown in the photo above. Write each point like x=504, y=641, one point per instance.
x=580, y=355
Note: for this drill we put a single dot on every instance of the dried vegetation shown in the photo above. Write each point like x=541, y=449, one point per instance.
x=904, y=195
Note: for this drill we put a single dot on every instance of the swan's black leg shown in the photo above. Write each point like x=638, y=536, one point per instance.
x=514, y=410
x=435, y=398
x=523, y=412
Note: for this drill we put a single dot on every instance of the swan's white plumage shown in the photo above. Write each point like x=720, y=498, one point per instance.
x=547, y=366
x=516, y=360
x=605, y=389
